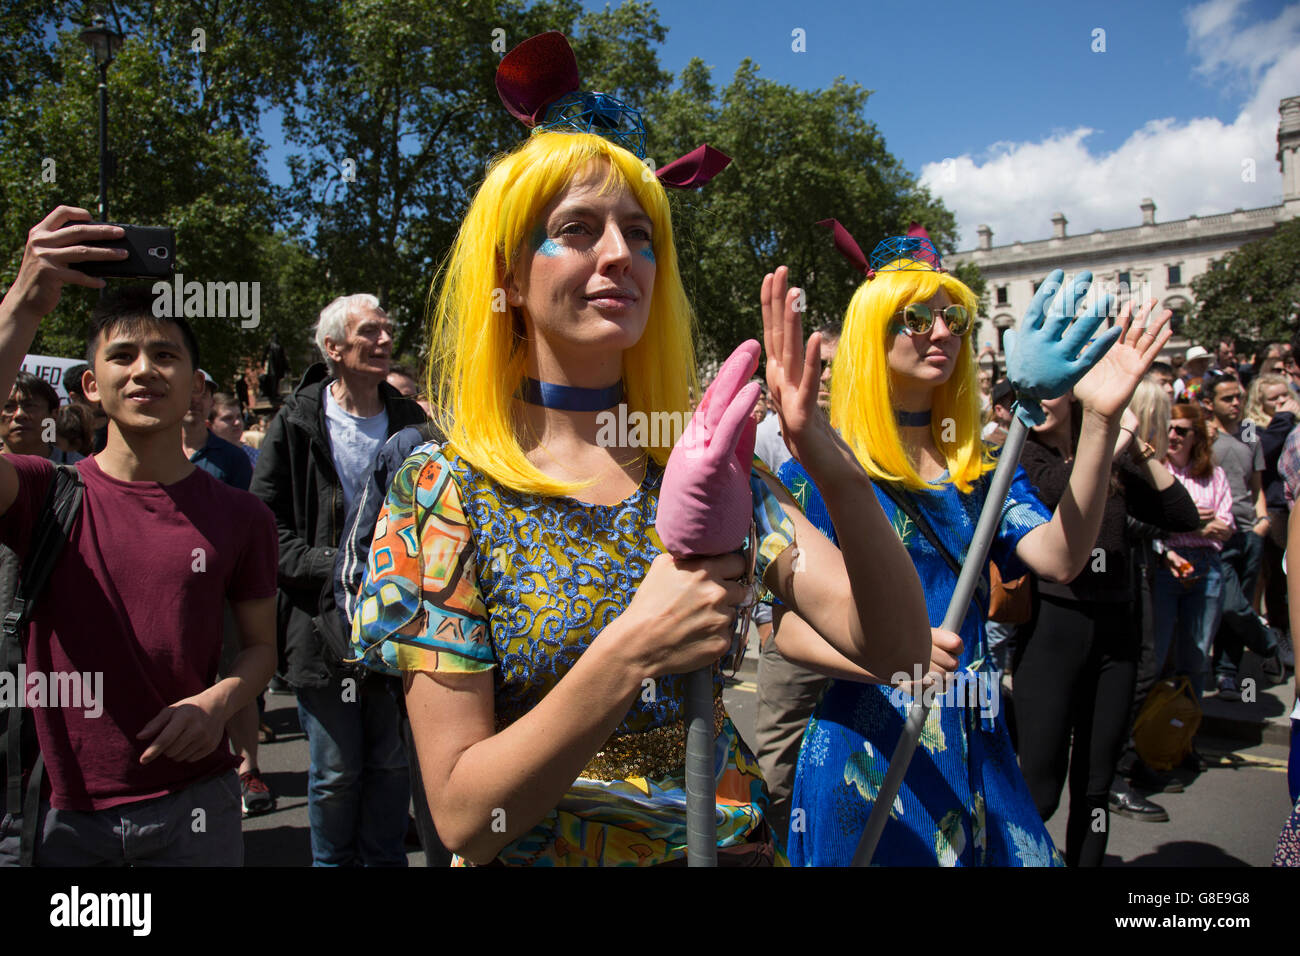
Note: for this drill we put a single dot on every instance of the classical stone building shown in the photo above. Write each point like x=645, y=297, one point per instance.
x=1145, y=260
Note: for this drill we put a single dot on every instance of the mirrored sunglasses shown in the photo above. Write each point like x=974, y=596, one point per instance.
x=918, y=318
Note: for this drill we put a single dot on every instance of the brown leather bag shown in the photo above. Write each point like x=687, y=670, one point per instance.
x=1010, y=602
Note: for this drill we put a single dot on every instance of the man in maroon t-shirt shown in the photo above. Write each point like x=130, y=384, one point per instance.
x=122, y=650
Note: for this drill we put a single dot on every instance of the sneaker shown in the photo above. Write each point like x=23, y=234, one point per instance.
x=257, y=796
x=1228, y=689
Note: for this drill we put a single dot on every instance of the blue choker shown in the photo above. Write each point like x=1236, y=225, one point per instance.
x=912, y=419
x=568, y=398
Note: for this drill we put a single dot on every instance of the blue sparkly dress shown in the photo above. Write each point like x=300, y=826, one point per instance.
x=963, y=801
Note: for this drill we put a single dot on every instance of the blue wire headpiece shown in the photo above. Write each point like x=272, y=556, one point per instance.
x=597, y=113
x=914, y=248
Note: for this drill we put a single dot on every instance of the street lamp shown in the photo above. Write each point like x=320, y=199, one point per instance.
x=104, y=43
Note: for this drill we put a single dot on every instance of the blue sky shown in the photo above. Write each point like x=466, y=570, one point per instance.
x=1006, y=111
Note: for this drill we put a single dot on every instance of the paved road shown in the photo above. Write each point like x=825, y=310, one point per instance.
x=1228, y=816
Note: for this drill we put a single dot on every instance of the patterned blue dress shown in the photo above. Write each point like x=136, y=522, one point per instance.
x=963, y=801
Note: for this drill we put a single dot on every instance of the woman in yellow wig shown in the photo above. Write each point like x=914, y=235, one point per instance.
x=904, y=395
x=516, y=577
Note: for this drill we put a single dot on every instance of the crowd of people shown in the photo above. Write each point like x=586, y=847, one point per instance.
x=1192, y=576
x=468, y=590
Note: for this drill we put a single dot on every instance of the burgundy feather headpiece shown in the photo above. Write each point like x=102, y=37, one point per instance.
x=539, y=84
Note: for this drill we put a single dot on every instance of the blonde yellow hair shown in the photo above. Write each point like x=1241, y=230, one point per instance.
x=862, y=401
x=1152, y=407
x=478, y=347
x=1255, y=397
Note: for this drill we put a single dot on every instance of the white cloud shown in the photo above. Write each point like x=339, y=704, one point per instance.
x=1192, y=167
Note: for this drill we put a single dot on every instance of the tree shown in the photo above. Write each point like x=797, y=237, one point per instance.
x=1253, y=295
x=400, y=113
x=797, y=157
x=183, y=159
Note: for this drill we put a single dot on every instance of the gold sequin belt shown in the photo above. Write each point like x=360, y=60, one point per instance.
x=653, y=754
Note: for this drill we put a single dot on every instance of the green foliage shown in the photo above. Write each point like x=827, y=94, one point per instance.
x=404, y=89
x=798, y=157
x=181, y=160
x=1254, y=296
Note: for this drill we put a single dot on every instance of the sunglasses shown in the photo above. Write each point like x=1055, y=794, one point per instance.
x=1182, y=431
x=918, y=318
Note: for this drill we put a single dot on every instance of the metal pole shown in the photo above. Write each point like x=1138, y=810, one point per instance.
x=971, y=571
x=701, y=790
x=103, y=142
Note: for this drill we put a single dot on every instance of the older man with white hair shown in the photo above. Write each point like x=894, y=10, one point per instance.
x=318, y=452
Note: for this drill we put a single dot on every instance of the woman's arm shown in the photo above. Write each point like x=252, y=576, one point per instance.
x=486, y=789
x=800, y=644
x=1059, y=549
x=1223, y=501
x=872, y=578
x=1168, y=509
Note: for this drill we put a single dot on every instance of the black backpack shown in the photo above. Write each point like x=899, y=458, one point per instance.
x=21, y=749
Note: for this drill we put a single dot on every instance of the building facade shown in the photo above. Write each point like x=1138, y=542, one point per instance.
x=1147, y=260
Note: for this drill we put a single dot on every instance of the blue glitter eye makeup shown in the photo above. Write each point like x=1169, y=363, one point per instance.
x=648, y=253
x=543, y=244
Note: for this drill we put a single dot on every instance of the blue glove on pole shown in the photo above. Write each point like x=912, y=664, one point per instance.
x=1043, y=362
x=1046, y=356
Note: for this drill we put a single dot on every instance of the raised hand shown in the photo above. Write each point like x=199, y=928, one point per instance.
x=1107, y=387
x=705, y=503
x=1047, y=355
x=794, y=379
x=54, y=246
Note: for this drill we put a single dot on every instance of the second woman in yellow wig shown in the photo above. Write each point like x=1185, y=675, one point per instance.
x=904, y=396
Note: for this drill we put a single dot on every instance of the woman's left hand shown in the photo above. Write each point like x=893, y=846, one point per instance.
x=1108, y=385
x=794, y=377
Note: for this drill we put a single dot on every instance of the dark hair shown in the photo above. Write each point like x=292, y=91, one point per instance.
x=1201, y=461
x=404, y=371
x=132, y=307
x=72, y=379
x=829, y=330
x=33, y=387
x=76, y=425
x=1216, y=377
x=225, y=400
x=1164, y=368
x=1003, y=393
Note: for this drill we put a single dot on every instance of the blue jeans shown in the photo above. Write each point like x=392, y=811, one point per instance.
x=358, y=789
x=1241, y=628
x=197, y=826
x=1187, y=614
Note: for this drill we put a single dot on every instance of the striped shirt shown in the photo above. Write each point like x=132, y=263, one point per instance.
x=1212, y=492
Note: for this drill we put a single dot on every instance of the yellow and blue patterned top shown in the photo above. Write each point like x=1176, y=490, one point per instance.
x=522, y=584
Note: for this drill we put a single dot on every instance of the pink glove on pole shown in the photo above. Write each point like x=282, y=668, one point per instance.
x=705, y=503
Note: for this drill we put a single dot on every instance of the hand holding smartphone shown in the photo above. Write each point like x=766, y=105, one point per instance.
x=151, y=254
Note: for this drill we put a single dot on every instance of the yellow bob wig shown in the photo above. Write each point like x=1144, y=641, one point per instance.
x=862, y=399
x=478, y=348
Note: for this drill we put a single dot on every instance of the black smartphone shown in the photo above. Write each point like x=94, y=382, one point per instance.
x=152, y=253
